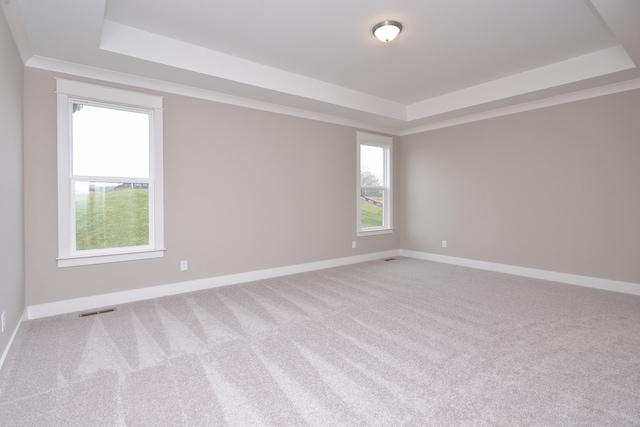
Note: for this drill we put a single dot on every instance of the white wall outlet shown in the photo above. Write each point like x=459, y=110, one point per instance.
x=184, y=266
x=444, y=243
x=353, y=244
x=4, y=324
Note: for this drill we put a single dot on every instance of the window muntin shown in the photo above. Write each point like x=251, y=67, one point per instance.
x=109, y=175
x=374, y=184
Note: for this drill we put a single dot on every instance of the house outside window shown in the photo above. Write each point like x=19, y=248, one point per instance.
x=110, y=192
x=374, y=198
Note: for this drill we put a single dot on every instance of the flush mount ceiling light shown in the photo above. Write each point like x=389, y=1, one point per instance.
x=386, y=31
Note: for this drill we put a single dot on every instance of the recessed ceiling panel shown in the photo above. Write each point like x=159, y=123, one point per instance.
x=445, y=46
x=453, y=58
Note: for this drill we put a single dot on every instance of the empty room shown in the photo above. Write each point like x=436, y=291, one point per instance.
x=409, y=213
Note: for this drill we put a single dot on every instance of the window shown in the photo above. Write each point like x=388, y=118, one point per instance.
x=374, y=184
x=109, y=175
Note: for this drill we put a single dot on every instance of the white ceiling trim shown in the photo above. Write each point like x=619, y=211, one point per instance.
x=528, y=106
x=297, y=95
x=173, y=88
x=129, y=41
x=140, y=44
x=595, y=64
x=85, y=71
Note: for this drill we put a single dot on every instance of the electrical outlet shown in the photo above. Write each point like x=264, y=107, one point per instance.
x=444, y=243
x=353, y=244
x=4, y=324
x=184, y=266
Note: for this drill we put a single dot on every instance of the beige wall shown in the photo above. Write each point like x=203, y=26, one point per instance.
x=555, y=189
x=12, y=295
x=244, y=190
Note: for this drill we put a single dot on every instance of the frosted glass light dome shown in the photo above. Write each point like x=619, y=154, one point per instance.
x=386, y=31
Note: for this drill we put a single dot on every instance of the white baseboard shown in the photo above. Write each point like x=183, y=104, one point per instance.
x=111, y=299
x=572, y=279
x=15, y=331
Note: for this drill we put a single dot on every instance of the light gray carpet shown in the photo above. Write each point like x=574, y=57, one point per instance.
x=404, y=342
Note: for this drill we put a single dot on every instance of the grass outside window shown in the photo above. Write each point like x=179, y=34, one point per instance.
x=112, y=219
x=370, y=215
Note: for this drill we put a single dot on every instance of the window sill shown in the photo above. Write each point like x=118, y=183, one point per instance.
x=374, y=232
x=107, y=258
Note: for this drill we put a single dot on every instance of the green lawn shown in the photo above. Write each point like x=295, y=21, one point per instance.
x=370, y=215
x=113, y=219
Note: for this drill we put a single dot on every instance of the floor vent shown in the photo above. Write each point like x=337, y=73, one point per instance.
x=93, y=313
x=390, y=259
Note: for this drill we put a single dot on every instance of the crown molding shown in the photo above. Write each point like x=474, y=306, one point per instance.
x=528, y=106
x=174, y=88
x=85, y=71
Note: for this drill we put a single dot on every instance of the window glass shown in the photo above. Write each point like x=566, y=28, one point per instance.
x=371, y=165
x=111, y=214
x=110, y=142
x=374, y=184
x=371, y=208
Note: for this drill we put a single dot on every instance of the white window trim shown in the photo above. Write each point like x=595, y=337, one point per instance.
x=67, y=91
x=385, y=142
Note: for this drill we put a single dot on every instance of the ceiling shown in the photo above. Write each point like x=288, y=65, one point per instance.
x=454, y=60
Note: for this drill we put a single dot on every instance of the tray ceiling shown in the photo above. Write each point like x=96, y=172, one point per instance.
x=453, y=59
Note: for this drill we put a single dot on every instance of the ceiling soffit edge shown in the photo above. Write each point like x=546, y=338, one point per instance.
x=401, y=129
x=139, y=44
